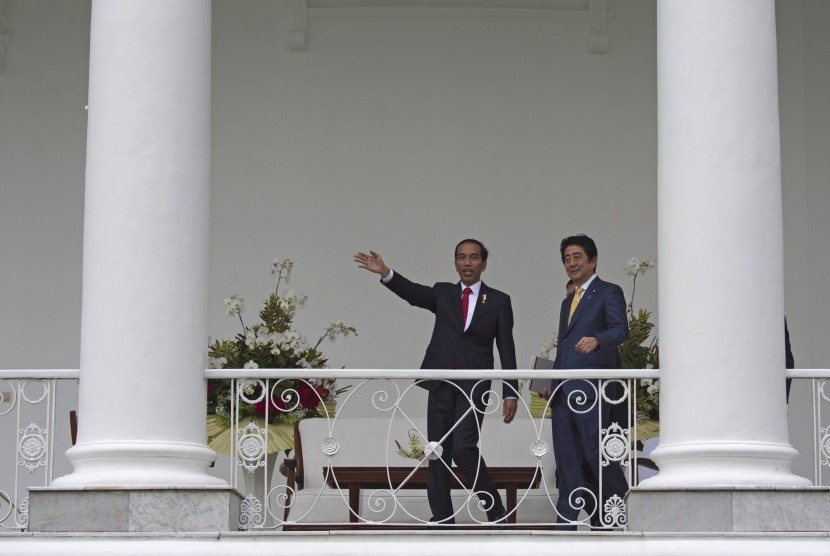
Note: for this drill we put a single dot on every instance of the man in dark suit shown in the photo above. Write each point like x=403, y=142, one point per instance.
x=592, y=323
x=469, y=317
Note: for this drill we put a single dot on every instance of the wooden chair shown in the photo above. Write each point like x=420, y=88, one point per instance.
x=73, y=426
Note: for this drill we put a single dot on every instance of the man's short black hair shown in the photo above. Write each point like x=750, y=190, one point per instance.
x=484, y=252
x=581, y=240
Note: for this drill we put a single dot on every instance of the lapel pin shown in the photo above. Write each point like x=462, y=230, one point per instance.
x=483, y=299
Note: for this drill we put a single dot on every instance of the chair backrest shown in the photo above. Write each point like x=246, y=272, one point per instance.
x=73, y=426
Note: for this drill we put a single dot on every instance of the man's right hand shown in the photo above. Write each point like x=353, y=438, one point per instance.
x=372, y=262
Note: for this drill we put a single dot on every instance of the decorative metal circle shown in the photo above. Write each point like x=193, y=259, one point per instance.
x=825, y=446
x=539, y=447
x=34, y=397
x=607, y=394
x=8, y=397
x=433, y=450
x=251, y=390
x=289, y=398
x=251, y=447
x=578, y=499
x=615, y=447
x=32, y=447
x=490, y=400
x=377, y=500
x=382, y=400
x=330, y=446
x=284, y=497
x=578, y=400
x=6, y=500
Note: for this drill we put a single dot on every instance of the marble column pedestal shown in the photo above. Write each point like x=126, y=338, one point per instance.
x=101, y=509
x=729, y=509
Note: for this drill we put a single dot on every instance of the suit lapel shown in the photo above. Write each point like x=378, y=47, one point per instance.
x=455, y=304
x=481, y=304
x=588, y=299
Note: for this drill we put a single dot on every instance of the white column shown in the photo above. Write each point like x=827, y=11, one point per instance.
x=723, y=415
x=145, y=272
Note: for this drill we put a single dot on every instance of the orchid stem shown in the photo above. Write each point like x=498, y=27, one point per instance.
x=633, y=290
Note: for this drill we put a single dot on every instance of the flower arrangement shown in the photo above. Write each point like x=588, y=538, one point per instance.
x=638, y=351
x=415, y=448
x=272, y=343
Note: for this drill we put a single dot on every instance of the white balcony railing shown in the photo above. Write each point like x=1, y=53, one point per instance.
x=349, y=473
x=346, y=470
x=32, y=433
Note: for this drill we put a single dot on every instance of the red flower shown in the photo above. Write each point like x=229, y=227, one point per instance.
x=308, y=396
x=277, y=405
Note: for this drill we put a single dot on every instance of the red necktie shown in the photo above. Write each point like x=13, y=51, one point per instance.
x=465, y=303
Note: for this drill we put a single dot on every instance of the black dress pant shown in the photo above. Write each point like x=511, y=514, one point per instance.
x=449, y=415
x=575, y=442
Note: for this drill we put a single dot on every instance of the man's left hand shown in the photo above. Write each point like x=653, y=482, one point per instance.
x=587, y=344
x=509, y=410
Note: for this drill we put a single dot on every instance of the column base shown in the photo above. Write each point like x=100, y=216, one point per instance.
x=139, y=464
x=101, y=509
x=705, y=465
x=729, y=509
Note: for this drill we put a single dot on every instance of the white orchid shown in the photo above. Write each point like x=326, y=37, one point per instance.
x=638, y=351
x=548, y=347
x=337, y=328
x=281, y=269
x=217, y=362
x=234, y=305
x=636, y=266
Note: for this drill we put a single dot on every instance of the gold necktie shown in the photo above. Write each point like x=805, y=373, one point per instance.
x=575, y=302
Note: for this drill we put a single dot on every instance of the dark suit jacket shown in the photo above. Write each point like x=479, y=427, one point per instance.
x=451, y=347
x=600, y=313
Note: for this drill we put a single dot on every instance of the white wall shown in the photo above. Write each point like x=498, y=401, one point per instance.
x=803, y=51
x=816, y=261
x=42, y=146
x=407, y=136
x=402, y=136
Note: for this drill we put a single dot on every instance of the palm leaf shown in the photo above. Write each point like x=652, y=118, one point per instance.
x=220, y=434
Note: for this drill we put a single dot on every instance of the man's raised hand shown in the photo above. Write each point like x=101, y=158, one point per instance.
x=372, y=262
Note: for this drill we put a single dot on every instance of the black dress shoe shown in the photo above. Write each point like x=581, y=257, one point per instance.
x=439, y=524
x=497, y=516
x=562, y=525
